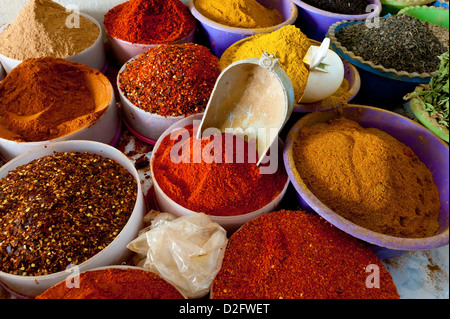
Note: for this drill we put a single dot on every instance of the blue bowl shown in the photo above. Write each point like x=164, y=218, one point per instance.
x=430, y=149
x=381, y=87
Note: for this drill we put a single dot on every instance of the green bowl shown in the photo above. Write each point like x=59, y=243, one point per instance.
x=393, y=6
x=426, y=120
x=433, y=15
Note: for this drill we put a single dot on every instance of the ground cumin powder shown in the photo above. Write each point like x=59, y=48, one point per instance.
x=42, y=28
x=46, y=98
x=369, y=178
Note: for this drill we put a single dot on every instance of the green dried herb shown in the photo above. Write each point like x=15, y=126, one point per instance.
x=434, y=95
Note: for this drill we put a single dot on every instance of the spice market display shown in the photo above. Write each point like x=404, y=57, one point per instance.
x=63, y=216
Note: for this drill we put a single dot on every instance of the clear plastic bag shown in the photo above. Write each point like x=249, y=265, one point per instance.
x=186, y=251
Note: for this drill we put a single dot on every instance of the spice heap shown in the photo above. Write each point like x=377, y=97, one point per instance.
x=171, y=79
x=353, y=7
x=149, y=21
x=358, y=173
x=227, y=183
x=115, y=283
x=248, y=14
x=288, y=44
x=44, y=28
x=61, y=209
x=295, y=255
x=401, y=42
x=47, y=98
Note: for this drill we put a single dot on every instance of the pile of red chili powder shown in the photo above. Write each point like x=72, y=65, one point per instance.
x=114, y=283
x=226, y=183
x=295, y=255
x=149, y=21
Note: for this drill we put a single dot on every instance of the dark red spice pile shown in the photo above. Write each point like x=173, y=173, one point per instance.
x=171, y=79
x=295, y=255
x=149, y=21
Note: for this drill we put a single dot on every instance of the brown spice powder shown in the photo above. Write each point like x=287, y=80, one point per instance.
x=369, y=178
x=41, y=30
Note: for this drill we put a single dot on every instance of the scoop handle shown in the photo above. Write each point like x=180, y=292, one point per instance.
x=321, y=54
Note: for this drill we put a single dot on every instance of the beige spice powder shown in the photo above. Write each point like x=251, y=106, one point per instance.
x=43, y=28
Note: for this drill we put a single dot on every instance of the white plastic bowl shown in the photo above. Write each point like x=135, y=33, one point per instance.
x=105, y=130
x=148, y=126
x=229, y=223
x=115, y=253
x=94, y=56
x=124, y=51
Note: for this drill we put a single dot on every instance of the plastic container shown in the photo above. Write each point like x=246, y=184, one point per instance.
x=115, y=253
x=106, y=129
x=315, y=22
x=426, y=120
x=440, y=4
x=432, y=151
x=124, y=51
x=220, y=36
x=433, y=15
x=94, y=56
x=394, y=6
x=166, y=204
x=380, y=86
x=146, y=126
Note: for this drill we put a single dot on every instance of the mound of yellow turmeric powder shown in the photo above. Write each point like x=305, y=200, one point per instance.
x=289, y=44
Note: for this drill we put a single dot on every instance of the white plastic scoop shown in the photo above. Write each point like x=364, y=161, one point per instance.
x=314, y=57
x=252, y=98
x=326, y=72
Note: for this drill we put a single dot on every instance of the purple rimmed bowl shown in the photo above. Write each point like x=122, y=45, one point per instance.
x=315, y=22
x=220, y=36
x=430, y=149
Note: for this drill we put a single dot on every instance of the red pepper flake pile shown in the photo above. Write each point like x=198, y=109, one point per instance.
x=171, y=79
x=61, y=209
x=149, y=21
x=296, y=255
x=115, y=283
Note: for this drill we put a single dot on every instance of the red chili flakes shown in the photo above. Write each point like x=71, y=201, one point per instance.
x=61, y=209
x=171, y=79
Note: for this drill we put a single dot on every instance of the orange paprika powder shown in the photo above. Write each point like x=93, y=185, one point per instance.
x=228, y=183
